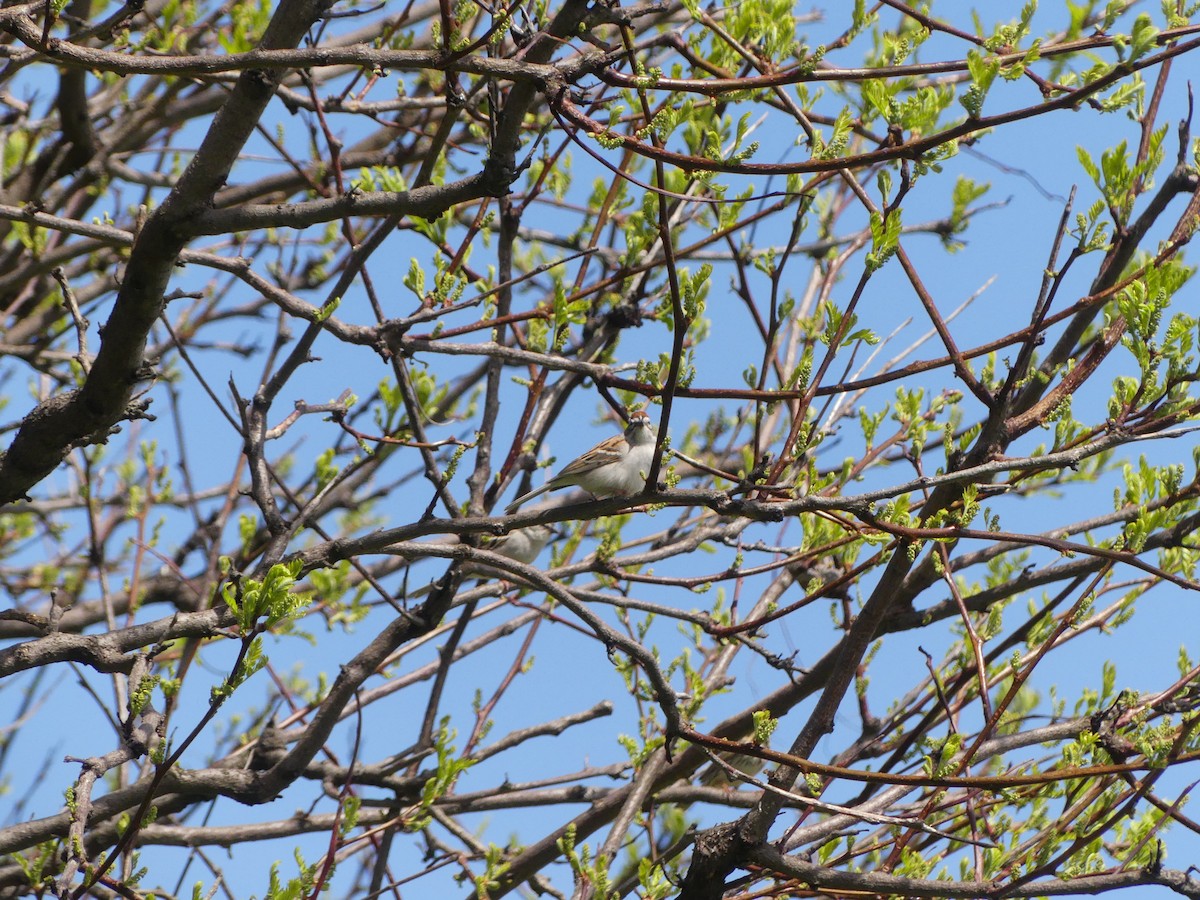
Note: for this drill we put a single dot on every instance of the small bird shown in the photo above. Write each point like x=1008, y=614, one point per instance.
x=522, y=546
x=714, y=775
x=615, y=467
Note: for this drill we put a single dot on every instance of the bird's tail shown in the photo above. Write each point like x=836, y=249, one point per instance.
x=525, y=498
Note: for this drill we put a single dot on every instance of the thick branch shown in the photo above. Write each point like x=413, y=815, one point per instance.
x=61, y=423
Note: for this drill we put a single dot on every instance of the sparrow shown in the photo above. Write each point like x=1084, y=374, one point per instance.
x=522, y=546
x=715, y=775
x=615, y=467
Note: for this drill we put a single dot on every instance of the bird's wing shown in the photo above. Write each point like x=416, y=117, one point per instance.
x=603, y=454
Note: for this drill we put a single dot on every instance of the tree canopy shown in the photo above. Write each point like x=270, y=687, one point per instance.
x=298, y=297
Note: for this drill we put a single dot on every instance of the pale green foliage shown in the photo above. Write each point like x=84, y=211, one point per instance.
x=449, y=768
x=295, y=888
x=248, y=19
x=271, y=599
x=983, y=72
x=885, y=236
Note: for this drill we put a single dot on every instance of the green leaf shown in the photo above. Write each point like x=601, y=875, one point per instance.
x=885, y=238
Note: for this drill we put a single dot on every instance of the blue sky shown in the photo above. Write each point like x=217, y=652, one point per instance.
x=1003, y=256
